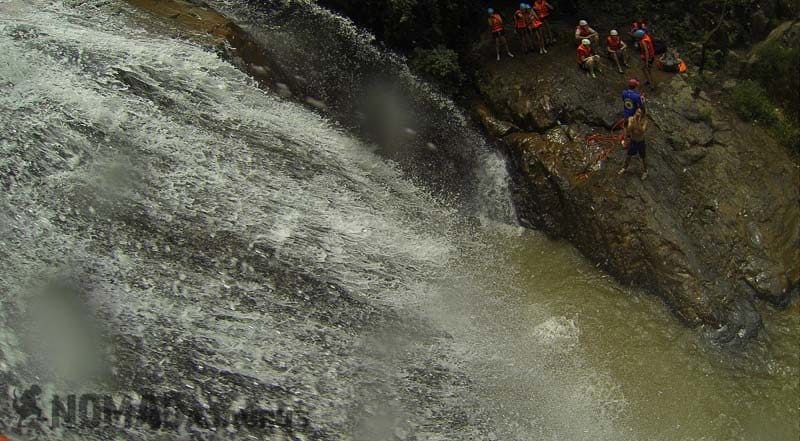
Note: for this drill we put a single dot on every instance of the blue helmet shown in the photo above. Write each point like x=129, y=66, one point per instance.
x=638, y=34
x=491, y=11
x=522, y=5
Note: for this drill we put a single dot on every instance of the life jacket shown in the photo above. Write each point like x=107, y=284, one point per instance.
x=614, y=43
x=583, y=53
x=520, y=20
x=670, y=62
x=497, y=22
x=541, y=8
x=646, y=41
x=535, y=23
x=583, y=31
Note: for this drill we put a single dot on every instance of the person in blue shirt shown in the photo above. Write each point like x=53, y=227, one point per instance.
x=632, y=99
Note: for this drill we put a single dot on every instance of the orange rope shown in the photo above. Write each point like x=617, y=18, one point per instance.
x=610, y=141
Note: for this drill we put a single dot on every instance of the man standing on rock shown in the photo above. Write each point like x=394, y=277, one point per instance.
x=648, y=55
x=535, y=25
x=543, y=10
x=632, y=100
x=633, y=133
x=521, y=19
x=498, y=32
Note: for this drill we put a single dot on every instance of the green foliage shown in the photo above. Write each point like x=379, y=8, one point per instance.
x=778, y=71
x=439, y=64
x=750, y=100
x=788, y=134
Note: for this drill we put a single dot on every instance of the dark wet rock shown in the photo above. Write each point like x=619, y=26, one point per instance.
x=714, y=226
x=697, y=134
x=496, y=127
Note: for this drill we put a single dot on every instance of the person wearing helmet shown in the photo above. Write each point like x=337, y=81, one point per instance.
x=637, y=25
x=521, y=20
x=543, y=10
x=640, y=24
x=535, y=26
x=648, y=55
x=633, y=138
x=616, y=49
x=586, y=60
x=632, y=100
x=498, y=32
x=583, y=31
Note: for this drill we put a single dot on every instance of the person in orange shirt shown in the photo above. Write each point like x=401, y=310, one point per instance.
x=584, y=31
x=521, y=20
x=586, y=60
x=498, y=32
x=648, y=55
x=543, y=10
x=616, y=49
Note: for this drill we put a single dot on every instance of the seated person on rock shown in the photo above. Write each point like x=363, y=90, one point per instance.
x=584, y=31
x=586, y=60
x=616, y=49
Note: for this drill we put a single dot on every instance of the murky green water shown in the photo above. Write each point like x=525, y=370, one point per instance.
x=564, y=352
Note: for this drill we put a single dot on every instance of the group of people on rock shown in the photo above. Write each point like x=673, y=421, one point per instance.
x=532, y=27
x=531, y=24
x=588, y=60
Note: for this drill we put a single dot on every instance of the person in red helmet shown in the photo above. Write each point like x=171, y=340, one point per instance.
x=543, y=10
x=616, y=49
x=632, y=100
x=583, y=30
x=586, y=60
x=521, y=20
x=648, y=55
x=498, y=32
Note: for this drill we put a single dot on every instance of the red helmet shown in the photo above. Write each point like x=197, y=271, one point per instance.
x=633, y=83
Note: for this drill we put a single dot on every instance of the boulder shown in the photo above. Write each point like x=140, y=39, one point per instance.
x=714, y=227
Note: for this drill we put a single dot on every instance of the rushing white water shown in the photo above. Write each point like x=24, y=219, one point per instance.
x=228, y=243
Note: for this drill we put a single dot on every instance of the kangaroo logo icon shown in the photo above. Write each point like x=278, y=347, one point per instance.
x=27, y=405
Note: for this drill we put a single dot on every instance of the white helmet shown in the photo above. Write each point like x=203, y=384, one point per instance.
x=583, y=23
x=614, y=33
x=586, y=42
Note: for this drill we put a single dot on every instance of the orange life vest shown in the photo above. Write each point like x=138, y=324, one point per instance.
x=614, y=43
x=584, y=52
x=541, y=8
x=520, y=19
x=535, y=23
x=583, y=31
x=497, y=22
x=647, y=42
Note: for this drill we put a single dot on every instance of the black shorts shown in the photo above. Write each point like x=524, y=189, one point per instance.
x=637, y=148
x=523, y=31
x=498, y=34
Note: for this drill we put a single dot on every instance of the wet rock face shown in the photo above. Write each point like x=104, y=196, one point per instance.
x=714, y=226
